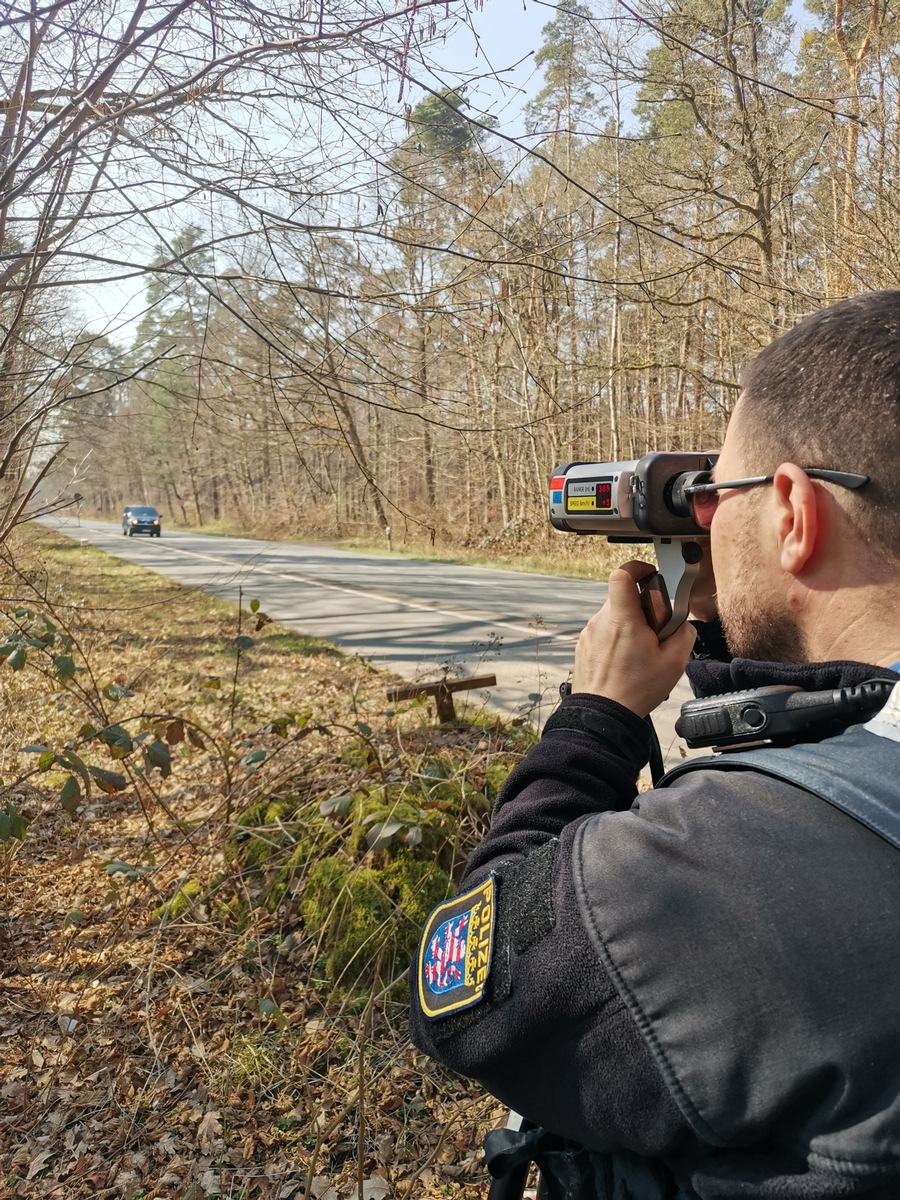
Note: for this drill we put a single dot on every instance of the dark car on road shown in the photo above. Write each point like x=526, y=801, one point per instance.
x=141, y=518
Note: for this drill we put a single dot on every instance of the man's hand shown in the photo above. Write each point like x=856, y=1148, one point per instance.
x=619, y=656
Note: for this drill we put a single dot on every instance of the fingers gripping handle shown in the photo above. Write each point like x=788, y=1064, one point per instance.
x=666, y=596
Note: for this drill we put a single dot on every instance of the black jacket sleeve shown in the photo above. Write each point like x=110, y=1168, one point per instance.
x=551, y=1037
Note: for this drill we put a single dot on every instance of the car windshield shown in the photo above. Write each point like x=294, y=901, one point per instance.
x=143, y=510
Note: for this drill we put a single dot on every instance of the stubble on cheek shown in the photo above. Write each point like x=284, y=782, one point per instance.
x=757, y=622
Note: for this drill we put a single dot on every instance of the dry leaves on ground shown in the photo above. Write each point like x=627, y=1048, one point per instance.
x=192, y=1050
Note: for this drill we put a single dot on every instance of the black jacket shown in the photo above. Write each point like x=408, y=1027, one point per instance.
x=759, y=928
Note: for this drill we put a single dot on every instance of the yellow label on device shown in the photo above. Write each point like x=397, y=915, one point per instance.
x=581, y=504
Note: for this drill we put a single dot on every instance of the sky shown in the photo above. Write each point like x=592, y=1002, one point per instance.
x=499, y=39
x=490, y=47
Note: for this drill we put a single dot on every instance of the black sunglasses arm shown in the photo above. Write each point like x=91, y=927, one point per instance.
x=847, y=479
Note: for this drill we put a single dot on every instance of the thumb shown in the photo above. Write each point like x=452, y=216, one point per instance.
x=622, y=589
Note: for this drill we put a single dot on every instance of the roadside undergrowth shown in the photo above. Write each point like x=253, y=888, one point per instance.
x=217, y=843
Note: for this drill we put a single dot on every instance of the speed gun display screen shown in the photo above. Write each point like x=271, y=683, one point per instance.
x=593, y=495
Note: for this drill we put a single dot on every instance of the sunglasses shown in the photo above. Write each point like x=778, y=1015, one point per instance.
x=703, y=496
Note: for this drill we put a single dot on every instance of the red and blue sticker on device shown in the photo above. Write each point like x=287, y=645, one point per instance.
x=455, y=952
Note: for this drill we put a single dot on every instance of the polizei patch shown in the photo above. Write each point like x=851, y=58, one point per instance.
x=455, y=952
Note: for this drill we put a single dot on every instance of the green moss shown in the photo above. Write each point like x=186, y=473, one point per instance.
x=257, y=851
x=263, y=835
x=180, y=902
x=417, y=886
x=299, y=856
x=279, y=810
x=367, y=920
x=442, y=783
x=237, y=910
x=348, y=910
x=269, y=811
x=381, y=803
x=363, y=909
x=495, y=777
x=358, y=754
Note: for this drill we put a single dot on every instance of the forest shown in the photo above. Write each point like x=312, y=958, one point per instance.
x=370, y=310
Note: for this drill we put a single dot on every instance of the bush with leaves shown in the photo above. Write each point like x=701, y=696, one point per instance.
x=87, y=707
x=364, y=864
x=346, y=831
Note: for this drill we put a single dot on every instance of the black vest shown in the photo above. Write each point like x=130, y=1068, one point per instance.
x=790, y=1021
x=857, y=772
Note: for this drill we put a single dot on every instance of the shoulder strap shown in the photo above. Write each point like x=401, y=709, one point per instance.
x=857, y=771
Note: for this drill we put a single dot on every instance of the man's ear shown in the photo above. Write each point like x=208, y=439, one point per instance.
x=798, y=520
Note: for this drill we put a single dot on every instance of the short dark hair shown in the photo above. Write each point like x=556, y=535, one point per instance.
x=827, y=394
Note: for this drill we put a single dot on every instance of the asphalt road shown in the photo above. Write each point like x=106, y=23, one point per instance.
x=419, y=619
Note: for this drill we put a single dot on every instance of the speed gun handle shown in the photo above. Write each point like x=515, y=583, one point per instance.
x=655, y=602
x=666, y=595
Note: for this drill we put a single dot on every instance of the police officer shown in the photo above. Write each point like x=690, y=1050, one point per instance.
x=700, y=984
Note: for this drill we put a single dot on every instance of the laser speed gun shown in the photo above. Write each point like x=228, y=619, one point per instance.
x=640, y=501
